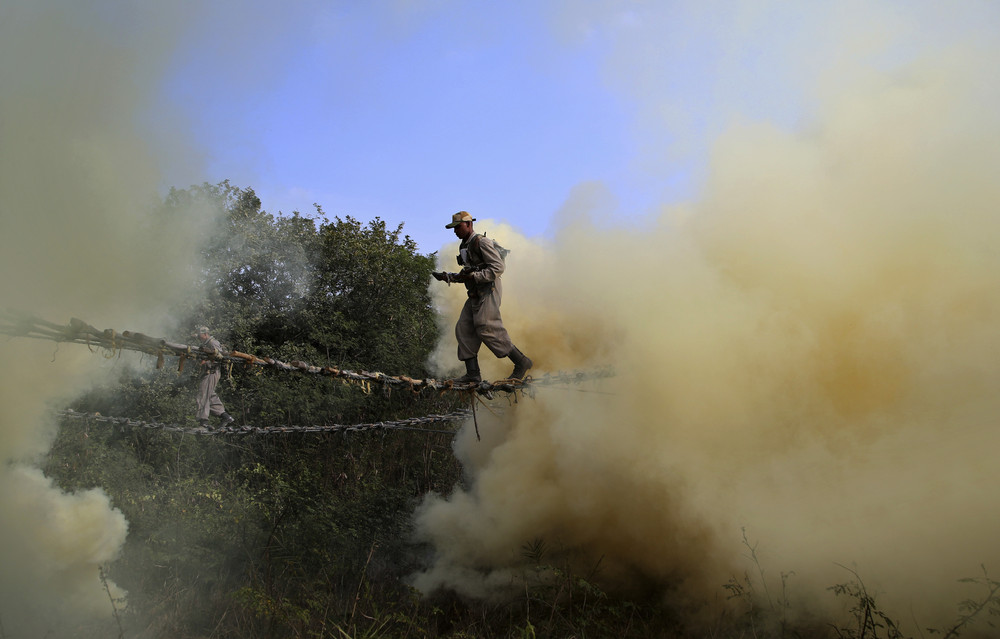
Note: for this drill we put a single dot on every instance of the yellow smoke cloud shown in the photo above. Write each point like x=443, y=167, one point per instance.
x=78, y=180
x=809, y=352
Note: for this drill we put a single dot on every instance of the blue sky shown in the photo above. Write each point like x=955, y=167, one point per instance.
x=369, y=111
x=410, y=110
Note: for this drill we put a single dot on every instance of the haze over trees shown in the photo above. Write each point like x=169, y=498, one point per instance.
x=309, y=534
x=270, y=526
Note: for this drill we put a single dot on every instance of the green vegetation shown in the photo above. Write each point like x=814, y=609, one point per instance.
x=308, y=535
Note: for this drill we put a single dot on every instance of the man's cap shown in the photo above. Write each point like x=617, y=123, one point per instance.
x=458, y=218
x=200, y=330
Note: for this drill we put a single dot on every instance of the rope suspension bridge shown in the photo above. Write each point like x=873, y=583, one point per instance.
x=18, y=324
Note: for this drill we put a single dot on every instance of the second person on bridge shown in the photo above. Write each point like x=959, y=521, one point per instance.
x=208, y=400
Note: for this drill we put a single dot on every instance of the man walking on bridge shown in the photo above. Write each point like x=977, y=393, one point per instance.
x=208, y=400
x=480, y=322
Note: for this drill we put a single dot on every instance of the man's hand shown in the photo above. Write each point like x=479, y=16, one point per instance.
x=452, y=277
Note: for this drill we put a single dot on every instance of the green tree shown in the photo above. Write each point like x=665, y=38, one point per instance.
x=255, y=267
x=272, y=534
x=337, y=293
x=369, y=303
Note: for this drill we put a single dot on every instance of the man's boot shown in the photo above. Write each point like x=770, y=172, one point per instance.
x=226, y=418
x=471, y=372
x=521, y=363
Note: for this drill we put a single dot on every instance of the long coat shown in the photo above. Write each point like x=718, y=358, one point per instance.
x=480, y=321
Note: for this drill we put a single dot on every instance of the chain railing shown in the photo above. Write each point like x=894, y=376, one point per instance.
x=412, y=423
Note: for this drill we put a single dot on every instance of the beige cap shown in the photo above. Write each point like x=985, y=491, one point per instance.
x=458, y=218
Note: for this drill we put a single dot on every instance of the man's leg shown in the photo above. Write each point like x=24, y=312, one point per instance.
x=489, y=325
x=468, y=344
x=472, y=373
x=206, y=393
x=521, y=363
x=215, y=405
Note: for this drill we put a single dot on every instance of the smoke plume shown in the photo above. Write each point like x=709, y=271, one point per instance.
x=807, y=352
x=78, y=182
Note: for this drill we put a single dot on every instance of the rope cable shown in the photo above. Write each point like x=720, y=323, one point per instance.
x=18, y=324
